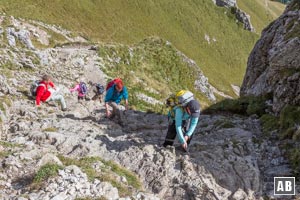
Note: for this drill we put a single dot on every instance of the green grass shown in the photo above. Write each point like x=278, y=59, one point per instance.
x=50, y=129
x=130, y=177
x=150, y=64
x=248, y=105
x=224, y=124
x=269, y=123
x=4, y=154
x=289, y=116
x=294, y=5
x=183, y=23
x=261, y=12
x=5, y=100
x=294, y=158
x=289, y=119
x=9, y=144
x=9, y=148
x=108, y=173
x=46, y=171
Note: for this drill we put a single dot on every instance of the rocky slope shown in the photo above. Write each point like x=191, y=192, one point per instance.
x=274, y=64
x=240, y=15
x=229, y=157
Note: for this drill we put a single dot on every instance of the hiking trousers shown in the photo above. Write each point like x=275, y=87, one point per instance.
x=59, y=98
x=171, y=133
x=116, y=111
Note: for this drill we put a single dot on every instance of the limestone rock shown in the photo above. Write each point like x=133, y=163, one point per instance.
x=226, y=3
x=273, y=65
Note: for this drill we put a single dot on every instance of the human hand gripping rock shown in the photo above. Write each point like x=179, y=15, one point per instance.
x=184, y=146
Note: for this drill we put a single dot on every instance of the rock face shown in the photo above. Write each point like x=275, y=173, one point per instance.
x=244, y=18
x=226, y=3
x=274, y=64
x=240, y=15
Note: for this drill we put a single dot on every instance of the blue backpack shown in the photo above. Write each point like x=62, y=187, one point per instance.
x=83, y=88
x=100, y=88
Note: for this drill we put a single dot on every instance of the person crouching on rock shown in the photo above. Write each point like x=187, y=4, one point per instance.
x=46, y=94
x=186, y=117
x=98, y=91
x=113, y=97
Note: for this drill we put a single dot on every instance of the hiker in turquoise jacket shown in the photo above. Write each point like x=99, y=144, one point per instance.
x=184, y=118
x=113, y=97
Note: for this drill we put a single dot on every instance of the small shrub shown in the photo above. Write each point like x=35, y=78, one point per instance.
x=228, y=105
x=46, y=171
x=269, y=123
x=296, y=136
x=294, y=158
x=233, y=10
x=244, y=106
x=256, y=106
x=289, y=117
x=287, y=134
x=131, y=178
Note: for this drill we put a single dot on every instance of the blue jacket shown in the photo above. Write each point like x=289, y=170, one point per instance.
x=181, y=115
x=113, y=95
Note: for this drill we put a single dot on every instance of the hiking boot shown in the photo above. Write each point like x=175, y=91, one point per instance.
x=64, y=109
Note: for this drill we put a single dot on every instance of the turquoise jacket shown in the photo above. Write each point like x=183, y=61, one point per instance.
x=113, y=95
x=181, y=115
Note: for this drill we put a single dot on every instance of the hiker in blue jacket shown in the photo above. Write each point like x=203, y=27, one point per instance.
x=113, y=97
x=184, y=117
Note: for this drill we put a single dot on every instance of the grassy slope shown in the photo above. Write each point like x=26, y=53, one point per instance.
x=151, y=67
x=184, y=23
x=262, y=12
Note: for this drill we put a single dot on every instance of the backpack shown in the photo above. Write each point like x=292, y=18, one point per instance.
x=182, y=98
x=111, y=83
x=100, y=88
x=34, y=86
x=83, y=88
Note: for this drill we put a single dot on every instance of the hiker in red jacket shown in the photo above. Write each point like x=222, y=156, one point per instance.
x=44, y=94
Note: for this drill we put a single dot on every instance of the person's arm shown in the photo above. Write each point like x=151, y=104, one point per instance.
x=107, y=110
x=125, y=95
x=126, y=104
x=193, y=125
x=178, y=125
x=107, y=99
x=75, y=88
x=52, y=85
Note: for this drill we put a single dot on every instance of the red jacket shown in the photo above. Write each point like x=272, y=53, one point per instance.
x=42, y=92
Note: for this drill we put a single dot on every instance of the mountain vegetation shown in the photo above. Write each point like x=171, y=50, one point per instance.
x=204, y=32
